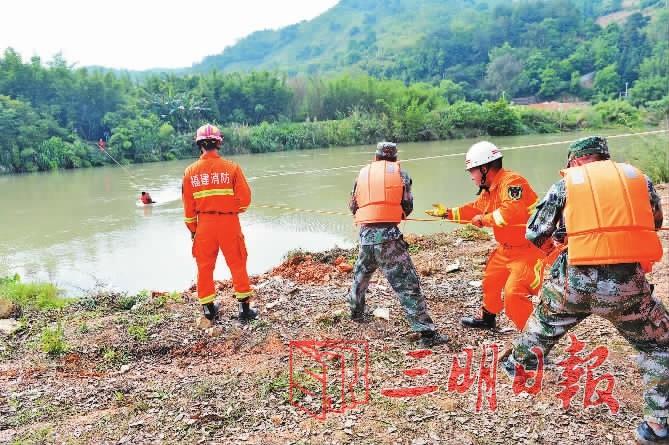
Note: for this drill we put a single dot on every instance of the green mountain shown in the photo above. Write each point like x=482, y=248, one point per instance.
x=347, y=36
x=378, y=36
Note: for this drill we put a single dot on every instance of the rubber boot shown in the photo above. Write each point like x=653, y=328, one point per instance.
x=486, y=321
x=246, y=314
x=430, y=339
x=509, y=366
x=210, y=311
x=645, y=435
x=358, y=316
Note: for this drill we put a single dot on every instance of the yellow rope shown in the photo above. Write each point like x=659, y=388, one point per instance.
x=450, y=155
x=332, y=212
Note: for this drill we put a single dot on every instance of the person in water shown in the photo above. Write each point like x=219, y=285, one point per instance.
x=146, y=198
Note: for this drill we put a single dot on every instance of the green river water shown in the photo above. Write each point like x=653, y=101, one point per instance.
x=83, y=228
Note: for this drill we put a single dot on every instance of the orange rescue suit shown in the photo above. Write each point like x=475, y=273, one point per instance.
x=516, y=265
x=378, y=193
x=607, y=215
x=214, y=192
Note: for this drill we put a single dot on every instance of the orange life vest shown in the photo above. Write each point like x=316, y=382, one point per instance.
x=608, y=215
x=378, y=193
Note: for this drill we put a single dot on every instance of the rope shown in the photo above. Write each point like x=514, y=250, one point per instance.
x=332, y=212
x=449, y=155
x=335, y=213
x=130, y=175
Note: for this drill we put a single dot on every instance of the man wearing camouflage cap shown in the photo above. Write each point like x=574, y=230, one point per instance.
x=600, y=222
x=381, y=198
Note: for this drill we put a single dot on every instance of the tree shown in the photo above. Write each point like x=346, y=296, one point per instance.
x=607, y=82
x=504, y=71
x=551, y=85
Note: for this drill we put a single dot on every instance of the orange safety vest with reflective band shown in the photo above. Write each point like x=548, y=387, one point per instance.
x=378, y=193
x=214, y=185
x=608, y=215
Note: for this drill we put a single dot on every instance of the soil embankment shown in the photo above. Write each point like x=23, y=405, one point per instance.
x=136, y=370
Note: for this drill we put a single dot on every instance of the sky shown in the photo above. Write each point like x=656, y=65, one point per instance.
x=141, y=34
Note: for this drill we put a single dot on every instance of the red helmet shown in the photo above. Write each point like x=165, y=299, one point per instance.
x=210, y=132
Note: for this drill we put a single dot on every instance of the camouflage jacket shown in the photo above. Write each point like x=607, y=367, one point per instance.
x=547, y=224
x=380, y=233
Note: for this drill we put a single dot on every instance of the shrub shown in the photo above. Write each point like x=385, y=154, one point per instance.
x=52, y=340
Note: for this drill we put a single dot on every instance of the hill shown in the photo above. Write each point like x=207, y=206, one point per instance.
x=342, y=37
x=378, y=36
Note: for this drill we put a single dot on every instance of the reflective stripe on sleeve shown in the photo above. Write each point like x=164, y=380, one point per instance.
x=497, y=216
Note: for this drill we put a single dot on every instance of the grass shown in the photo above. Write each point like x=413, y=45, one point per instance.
x=329, y=320
x=138, y=332
x=112, y=356
x=295, y=255
x=52, y=340
x=472, y=233
x=277, y=385
x=127, y=302
x=34, y=437
x=204, y=390
x=172, y=297
x=414, y=248
x=655, y=161
x=31, y=296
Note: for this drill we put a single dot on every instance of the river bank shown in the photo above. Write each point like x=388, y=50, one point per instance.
x=135, y=369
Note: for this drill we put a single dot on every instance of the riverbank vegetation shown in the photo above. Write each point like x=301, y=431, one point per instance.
x=52, y=115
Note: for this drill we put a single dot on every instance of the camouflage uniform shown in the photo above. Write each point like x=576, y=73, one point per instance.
x=617, y=292
x=382, y=245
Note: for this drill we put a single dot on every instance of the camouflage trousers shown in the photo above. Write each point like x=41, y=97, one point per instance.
x=618, y=293
x=393, y=258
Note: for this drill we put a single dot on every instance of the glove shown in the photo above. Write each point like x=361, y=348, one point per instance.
x=478, y=220
x=192, y=236
x=439, y=211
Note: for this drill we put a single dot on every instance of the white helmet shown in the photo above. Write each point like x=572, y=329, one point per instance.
x=481, y=153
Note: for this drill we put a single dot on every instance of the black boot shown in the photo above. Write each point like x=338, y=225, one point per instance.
x=210, y=311
x=430, y=339
x=246, y=314
x=486, y=321
x=645, y=435
x=358, y=316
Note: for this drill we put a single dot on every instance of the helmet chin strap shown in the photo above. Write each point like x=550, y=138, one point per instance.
x=483, y=185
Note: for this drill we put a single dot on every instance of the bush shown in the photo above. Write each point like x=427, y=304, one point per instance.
x=618, y=112
x=501, y=119
x=536, y=121
x=127, y=302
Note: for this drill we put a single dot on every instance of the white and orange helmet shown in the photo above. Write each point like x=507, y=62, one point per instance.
x=481, y=153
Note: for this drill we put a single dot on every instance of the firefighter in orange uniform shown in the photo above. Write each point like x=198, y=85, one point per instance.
x=214, y=192
x=505, y=203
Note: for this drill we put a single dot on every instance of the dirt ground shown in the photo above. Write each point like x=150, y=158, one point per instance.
x=138, y=371
x=558, y=106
